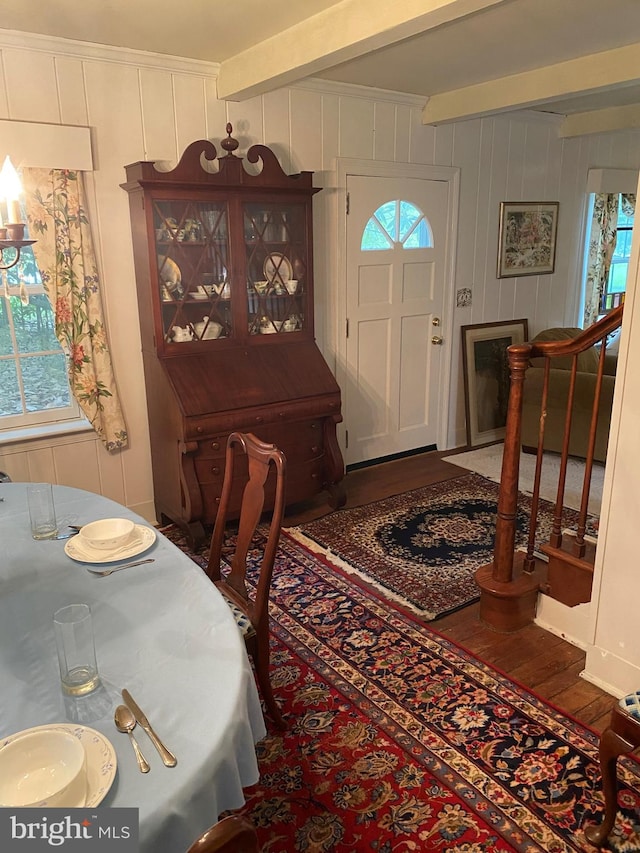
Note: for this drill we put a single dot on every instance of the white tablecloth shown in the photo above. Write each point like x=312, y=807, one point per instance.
x=163, y=631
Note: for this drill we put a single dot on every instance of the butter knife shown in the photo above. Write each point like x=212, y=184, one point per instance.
x=168, y=758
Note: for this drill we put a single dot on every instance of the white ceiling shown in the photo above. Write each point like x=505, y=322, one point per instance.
x=576, y=58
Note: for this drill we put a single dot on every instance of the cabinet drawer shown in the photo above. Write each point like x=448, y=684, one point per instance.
x=300, y=441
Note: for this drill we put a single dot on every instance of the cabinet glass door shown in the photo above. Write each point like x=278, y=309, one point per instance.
x=192, y=251
x=276, y=264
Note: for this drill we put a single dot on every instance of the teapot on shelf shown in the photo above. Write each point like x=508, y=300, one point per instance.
x=179, y=334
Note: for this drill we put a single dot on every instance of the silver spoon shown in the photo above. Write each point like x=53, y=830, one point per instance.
x=126, y=722
x=104, y=572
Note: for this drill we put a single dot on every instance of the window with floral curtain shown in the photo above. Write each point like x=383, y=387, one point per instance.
x=57, y=219
x=608, y=253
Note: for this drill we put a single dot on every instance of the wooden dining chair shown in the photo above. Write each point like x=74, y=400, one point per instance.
x=621, y=736
x=251, y=612
x=233, y=834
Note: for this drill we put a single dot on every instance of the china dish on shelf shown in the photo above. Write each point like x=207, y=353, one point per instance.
x=143, y=538
x=277, y=268
x=101, y=761
x=199, y=296
x=170, y=274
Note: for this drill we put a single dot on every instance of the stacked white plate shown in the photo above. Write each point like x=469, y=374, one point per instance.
x=101, y=761
x=79, y=549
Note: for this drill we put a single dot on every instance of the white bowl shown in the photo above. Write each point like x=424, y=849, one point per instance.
x=291, y=285
x=107, y=533
x=43, y=769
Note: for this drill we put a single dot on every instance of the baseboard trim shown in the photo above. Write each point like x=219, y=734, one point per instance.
x=381, y=459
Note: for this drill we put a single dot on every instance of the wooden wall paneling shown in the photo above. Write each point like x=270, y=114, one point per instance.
x=41, y=465
x=31, y=86
x=422, y=141
x=157, y=105
x=306, y=130
x=329, y=318
x=114, y=109
x=484, y=261
x=356, y=127
x=4, y=102
x=330, y=131
x=77, y=464
x=190, y=110
x=247, y=119
x=71, y=91
x=443, y=147
x=15, y=463
x=324, y=305
x=563, y=308
x=216, y=111
x=466, y=150
x=277, y=131
x=384, y=127
x=113, y=483
x=516, y=160
x=113, y=96
x=490, y=299
x=402, y=133
x=466, y=147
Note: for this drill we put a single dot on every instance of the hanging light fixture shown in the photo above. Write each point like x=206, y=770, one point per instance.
x=12, y=232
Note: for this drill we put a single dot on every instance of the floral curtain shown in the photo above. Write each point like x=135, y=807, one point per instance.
x=602, y=244
x=57, y=218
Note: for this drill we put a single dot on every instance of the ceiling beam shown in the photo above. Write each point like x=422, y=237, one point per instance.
x=585, y=75
x=340, y=33
x=601, y=121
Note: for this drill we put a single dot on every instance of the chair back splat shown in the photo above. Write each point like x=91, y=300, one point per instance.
x=251, y=612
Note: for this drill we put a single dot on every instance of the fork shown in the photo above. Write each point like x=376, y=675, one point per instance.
x=102, y=573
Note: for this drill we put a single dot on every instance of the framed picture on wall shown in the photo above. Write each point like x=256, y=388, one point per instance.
x=486, y=377
x=527, y=238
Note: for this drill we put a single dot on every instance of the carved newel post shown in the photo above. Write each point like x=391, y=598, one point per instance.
x=508, y=593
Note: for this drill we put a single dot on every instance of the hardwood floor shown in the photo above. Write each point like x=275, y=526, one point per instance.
x=532, y=656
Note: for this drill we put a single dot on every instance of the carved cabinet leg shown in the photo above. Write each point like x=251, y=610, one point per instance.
x=612, y=745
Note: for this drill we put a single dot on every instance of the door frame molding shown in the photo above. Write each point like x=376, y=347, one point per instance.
x=348, y=166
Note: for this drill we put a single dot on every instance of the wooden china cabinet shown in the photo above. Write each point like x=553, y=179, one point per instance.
x=224, y=270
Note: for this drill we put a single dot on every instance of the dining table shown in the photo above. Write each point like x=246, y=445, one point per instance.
x=162, y=631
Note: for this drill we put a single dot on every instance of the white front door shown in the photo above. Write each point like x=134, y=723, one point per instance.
x=396, y=241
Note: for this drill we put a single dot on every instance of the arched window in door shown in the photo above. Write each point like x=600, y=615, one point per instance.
x=397, y=222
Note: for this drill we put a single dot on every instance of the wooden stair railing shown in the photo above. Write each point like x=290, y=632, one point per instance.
x=510, y=584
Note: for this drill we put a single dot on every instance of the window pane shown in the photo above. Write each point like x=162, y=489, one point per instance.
x=374, y=237
x=6, y=342
x=409, y=214
x=420, y=237
x=10, y=402
x=34, y=324
x=386, y=213
x=45, y=382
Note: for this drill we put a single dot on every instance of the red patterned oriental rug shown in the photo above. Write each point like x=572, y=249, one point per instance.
x=422, y=548
x=399, y=741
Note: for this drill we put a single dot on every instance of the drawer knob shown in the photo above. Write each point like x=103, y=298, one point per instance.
x=259, y=419
x=314, y=425
x=199, y=429
x=215, y=470
x=215, y=445
x=315, y=448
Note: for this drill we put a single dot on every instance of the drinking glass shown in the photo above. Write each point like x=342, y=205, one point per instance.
x=76, y=649
x=42, y=511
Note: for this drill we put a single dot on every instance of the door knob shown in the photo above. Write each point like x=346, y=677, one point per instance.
x=436, y=340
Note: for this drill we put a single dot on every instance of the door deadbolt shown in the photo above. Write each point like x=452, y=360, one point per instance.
x=436, y=321
x=436, y=340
